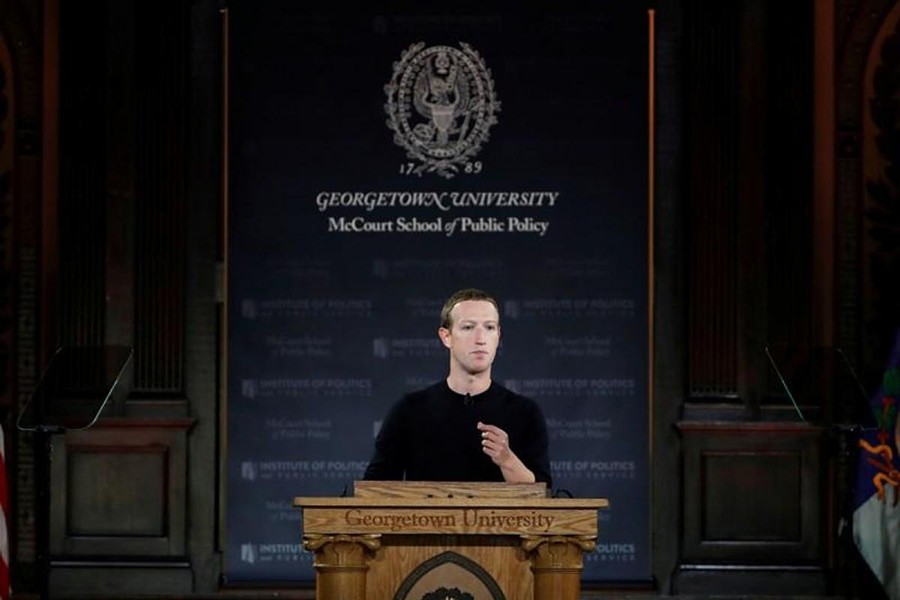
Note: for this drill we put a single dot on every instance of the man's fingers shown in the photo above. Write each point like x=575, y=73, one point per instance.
x=485, y=428
x=496, y=450
x=494, y=442
x=490, y=432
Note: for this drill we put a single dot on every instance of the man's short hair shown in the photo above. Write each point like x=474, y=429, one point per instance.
x=462, y=296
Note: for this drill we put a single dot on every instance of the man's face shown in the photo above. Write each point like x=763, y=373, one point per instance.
x=473, y=336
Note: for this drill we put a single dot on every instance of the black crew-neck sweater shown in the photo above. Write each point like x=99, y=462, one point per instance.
x=431, y=435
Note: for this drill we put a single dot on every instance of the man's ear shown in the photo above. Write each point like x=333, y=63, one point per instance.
x=444, y=334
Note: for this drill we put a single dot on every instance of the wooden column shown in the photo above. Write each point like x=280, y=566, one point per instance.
x=341, y=564
x=556, y=562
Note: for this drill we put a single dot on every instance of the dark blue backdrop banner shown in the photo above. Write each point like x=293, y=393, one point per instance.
x=380, y=160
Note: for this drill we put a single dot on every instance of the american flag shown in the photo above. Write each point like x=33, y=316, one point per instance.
x=5, y=588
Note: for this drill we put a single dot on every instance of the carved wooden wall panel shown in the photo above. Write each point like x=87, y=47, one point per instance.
x=7, y=227
x=865, y=324
x=728, y=513
x=121, y=491
x=24, y=93
x=105, y=499
x=748, y=147
x=880, y=277
x=711, y=111
x=754, y=502
x=120, y=500
x=161, y=197
x=752, y=493
x=753, y=498
x=96, y=97
x=788, y=167
x=81, y=288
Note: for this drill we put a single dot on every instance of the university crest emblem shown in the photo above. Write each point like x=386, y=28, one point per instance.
x=441, y=104
x=448, y=594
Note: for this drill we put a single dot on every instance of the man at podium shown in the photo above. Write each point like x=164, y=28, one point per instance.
x=465, y=427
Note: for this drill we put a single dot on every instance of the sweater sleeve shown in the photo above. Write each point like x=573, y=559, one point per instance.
x=536, y=455
x=388, y=461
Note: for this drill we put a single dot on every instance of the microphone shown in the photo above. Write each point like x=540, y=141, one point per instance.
x=467, y=401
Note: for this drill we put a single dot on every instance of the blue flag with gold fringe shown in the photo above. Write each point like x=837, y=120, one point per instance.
x=876, y=515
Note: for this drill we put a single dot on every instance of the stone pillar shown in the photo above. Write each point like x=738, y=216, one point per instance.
x=341, y=564
x=556, y=562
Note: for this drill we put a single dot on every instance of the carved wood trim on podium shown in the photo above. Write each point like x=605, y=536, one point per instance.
x=405, y=540
x=556, y=562
x=341, y=563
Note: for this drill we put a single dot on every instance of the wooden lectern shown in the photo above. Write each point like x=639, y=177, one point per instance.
x=438, y=541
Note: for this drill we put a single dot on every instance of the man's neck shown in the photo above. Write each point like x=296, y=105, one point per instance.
x=466, y=383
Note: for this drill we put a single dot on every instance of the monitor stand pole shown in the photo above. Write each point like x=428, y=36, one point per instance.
x=43, y=458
